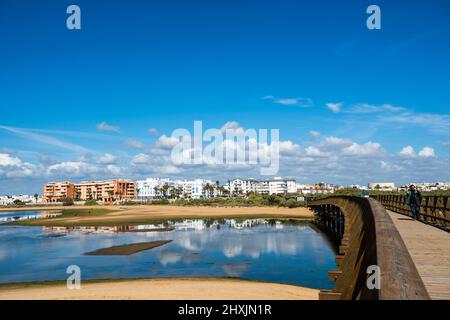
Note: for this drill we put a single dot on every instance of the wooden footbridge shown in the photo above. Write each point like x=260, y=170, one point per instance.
x=411, y=257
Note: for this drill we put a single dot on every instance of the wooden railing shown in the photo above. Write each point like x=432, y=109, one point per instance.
x=369, y=239
x=433, y=209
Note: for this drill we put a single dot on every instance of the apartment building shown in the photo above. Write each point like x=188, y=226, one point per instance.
x=149, y=188
x=263, y=187
x=279, y=186
x=104, y=190
x=58, y=191
x=195, y=188
x=242, y=186
x=276, y=185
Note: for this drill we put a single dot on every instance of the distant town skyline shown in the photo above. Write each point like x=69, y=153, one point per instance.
x=353, y=105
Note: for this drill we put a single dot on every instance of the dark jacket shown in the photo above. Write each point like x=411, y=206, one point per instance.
x=413, y=197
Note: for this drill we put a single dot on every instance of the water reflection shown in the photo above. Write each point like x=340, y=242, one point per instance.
x=12, y=216
x=287, y=251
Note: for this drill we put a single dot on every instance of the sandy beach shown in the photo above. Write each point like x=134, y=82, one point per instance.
x=147, y=213
x=161, y=289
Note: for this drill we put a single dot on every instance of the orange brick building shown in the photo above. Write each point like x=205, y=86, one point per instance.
x=57, y=191
x=104, y=190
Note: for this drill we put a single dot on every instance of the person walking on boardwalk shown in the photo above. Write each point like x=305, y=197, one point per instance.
x=413, y=200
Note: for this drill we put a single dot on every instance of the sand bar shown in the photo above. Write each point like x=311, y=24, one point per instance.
x=161, y=289
x=142, y=214
x=127, y=249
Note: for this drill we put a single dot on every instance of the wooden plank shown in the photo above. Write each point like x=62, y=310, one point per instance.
x=329, y=295
x=429, y=248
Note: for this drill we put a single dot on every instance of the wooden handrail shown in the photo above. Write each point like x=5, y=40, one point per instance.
x=433, y=209
x=370, y=238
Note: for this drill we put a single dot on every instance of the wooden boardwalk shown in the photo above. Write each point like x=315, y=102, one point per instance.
x=429, y=248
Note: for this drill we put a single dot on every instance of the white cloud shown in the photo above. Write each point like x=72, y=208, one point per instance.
x=113, y=169
x=103, y=126
x=313, y=151
x=107, y=158
x=335, y=107
x=286, y=147
x=427, y=152
x=370, y=108
x=72, y=169
x=232, y=127
x=8, y=160
x=335, y=142
x=165, y=142
x=300, y=102
x=407, y=151
x=314, y=133
x=140, y=158
x=13, y=167
x=366, y=149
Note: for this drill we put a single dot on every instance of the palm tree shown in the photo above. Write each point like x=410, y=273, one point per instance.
x=164, y=190
x=218, y=187
x=110, y=194
x=208, y=189
x=156, y=190
x=137, y=192
x=36, y=196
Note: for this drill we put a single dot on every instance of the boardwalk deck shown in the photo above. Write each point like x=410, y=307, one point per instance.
x=429, y=248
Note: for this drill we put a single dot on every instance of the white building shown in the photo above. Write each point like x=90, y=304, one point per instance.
x=148, y=188
x=6, y=200
x=276, y=185
x=263, y=187
x=382, y=186
x=242, y=186
x=196, y=188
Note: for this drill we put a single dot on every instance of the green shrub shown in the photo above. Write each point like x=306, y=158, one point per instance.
x=90, y=202
x=160, y=201
x=67, y=202
x=18, y=202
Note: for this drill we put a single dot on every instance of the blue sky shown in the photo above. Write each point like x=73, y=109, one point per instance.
x=352, y=104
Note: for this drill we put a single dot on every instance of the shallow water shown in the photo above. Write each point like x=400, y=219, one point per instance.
x=9, y=216
x=258, y=249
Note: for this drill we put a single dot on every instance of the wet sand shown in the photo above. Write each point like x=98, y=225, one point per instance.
x=161, y=289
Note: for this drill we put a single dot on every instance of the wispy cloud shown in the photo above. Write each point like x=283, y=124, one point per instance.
x=103, y=126
x=371, y=108
x=299, y=102
x=335, y=107
x=314, y=133
x=28, y=134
